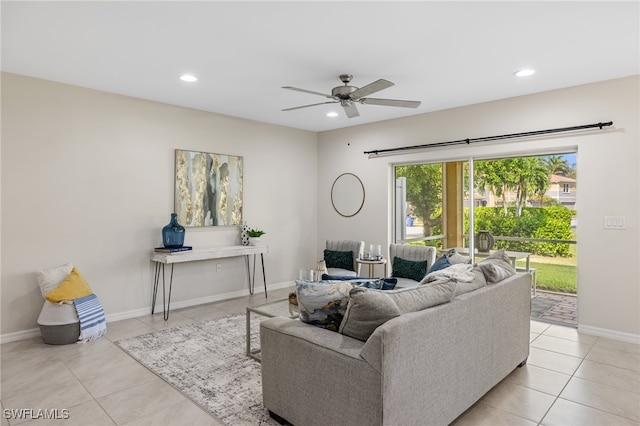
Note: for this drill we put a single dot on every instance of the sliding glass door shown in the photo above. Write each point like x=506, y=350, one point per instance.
x=527, y=205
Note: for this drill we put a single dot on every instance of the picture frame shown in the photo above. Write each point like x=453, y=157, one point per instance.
x=208, y=188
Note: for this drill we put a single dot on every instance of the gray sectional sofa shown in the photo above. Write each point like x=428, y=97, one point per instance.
x=420, y=368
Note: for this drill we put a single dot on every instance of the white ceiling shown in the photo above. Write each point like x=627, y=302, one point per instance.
x=445, y=54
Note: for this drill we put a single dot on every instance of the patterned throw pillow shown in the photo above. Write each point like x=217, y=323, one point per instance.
x=403, y=268
x=339, y=259
x=323, y=303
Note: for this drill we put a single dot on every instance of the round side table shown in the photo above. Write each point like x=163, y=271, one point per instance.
x=372, y=265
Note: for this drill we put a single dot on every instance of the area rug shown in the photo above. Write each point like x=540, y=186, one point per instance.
x=207, y=362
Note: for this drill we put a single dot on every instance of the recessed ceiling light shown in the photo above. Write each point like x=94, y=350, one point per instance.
x=332, y=114
x=188, y=78
x=525, y=72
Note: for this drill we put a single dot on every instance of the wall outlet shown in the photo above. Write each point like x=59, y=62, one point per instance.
x=614, y=222
x=218, y=267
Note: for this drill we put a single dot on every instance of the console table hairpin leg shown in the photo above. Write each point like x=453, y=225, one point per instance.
x=167, y=302
x=165, y=305
x=252, y=278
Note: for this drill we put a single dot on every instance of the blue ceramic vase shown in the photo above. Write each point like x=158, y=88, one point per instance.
x=173, y=233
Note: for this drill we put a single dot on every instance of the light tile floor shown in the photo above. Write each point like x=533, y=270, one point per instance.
x=570, y=379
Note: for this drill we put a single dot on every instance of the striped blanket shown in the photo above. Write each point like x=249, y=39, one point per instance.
x=91, y=315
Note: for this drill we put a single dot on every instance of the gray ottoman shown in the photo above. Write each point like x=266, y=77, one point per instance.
x=59, y=323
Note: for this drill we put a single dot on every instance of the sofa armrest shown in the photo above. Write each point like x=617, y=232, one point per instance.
x=302, y=365
x=437, y=362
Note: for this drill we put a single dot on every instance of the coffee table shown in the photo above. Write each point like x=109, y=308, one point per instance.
x=277, y=308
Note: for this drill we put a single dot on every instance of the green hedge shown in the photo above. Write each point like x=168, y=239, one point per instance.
x=552, y=223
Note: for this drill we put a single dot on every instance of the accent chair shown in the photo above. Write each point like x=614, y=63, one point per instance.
x=332, y=258
x=403, y=260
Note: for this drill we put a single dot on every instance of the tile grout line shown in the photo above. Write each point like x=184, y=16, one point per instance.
x=571, y=376
x=557, y=397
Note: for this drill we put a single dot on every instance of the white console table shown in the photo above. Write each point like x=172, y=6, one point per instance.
x=162, y=259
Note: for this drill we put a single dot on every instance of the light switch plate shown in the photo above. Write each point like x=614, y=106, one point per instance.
x=614, y=222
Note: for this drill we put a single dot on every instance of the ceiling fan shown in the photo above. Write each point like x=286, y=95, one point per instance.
x=347, y=96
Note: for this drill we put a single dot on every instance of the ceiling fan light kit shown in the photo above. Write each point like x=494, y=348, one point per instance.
x=347, y=96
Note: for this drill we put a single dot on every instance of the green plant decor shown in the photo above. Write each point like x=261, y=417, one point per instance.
x=253, y=233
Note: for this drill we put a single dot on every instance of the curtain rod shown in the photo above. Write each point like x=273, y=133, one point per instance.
x=491, y=138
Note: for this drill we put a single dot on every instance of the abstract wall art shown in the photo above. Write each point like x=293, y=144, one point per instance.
x=208, y=189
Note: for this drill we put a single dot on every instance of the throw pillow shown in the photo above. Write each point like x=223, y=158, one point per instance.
x=73, y=287
x=327, y=277
x=403, y=268
x=339, y=259
x=50, y=278
x=497, y=267
x=456, y=258
x=367, y=309
x=323, y=303
x=441, y=263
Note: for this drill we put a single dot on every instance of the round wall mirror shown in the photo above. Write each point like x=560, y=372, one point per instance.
x=347, y=194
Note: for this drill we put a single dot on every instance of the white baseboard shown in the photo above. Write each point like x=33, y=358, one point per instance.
x=19, y=335
x=610, y=334
x=135, y=313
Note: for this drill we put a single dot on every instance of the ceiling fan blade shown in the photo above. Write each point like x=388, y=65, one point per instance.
x=390, y=102
x=350, y=109
x=306, y=91
x=307, y=106
x=376, y=86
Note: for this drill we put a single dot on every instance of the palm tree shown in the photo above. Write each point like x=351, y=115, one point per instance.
x=533, y=178
x=524, y=175
x=495, y=176
x=557, y=165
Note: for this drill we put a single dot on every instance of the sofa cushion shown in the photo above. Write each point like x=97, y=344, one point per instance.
x=367, y=282
x=367, y=309
x=323, y=303
x=415, y=270
x=339, y=259
x=406, y=283
x=478, y=281
x=337, y=272
x=497, y=267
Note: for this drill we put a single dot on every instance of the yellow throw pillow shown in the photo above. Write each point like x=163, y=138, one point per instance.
x=73, y=287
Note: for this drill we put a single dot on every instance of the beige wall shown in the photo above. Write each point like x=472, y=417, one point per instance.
x=87, y=177
x=608, y=267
